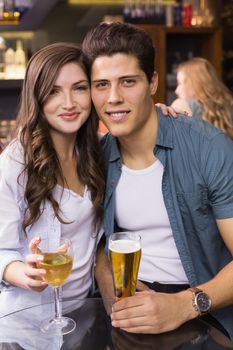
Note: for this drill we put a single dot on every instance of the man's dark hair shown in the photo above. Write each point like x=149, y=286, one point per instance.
x=109, y=39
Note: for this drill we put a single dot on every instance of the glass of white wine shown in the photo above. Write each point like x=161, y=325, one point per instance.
x=58, y=265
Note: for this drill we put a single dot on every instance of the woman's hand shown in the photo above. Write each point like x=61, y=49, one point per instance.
x=33, y=274
x=177, y=107
x=25, y=274
x=166, y=109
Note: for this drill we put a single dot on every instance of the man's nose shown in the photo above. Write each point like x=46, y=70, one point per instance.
x=115, y=95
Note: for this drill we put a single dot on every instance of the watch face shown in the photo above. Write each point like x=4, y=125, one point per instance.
x=203, y=302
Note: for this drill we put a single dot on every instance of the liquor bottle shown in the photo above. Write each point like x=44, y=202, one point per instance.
x=9, y=7
x=187, y=14
x=10, y=63
x=159, y=12
x=2, y=57
x=20, y=60
x=139, y=12
x=1, y=9
x=127, y=11
x=149, y=11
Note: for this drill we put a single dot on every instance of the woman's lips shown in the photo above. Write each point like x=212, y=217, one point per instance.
x=69, y=116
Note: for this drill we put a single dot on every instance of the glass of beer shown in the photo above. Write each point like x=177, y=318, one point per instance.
x=125, y=255
x=58, y=265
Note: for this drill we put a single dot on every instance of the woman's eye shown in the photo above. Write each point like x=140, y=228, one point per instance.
x=54, y=92
x=81, y=87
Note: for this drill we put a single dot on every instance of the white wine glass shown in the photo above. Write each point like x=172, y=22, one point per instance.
x=58, y=265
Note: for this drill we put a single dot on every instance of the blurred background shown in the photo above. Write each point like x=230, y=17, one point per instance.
x=180, y=30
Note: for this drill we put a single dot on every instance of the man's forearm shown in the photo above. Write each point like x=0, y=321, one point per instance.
x=220, y=288
x=103, y=274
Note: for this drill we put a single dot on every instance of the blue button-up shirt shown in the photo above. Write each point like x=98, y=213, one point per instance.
x=197, y=188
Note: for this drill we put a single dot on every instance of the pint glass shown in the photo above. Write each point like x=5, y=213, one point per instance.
x=125, y=255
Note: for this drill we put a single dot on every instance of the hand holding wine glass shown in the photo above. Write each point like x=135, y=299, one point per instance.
x=57, y=264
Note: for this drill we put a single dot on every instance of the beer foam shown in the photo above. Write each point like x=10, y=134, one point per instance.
x=124, y=246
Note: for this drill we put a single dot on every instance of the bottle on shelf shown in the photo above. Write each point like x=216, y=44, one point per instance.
x=2, y=57
x=10, y=63
x=159, y=14
x=149, y=11
x=1, y=9
x=20, y=60
x=139, y=11
x=169, y=15
x=9, y=8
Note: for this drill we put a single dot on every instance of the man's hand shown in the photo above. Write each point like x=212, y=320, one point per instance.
x=152, y=312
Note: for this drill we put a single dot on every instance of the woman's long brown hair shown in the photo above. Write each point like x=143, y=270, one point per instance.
x=41, y=161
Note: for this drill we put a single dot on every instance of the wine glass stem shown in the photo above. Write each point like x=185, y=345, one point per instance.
x=57, y=303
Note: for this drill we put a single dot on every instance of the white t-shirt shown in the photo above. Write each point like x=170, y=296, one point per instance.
x=140, y=207
x=79, y=211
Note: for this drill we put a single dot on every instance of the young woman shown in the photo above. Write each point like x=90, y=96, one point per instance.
x=51, y=179
x=203, y=94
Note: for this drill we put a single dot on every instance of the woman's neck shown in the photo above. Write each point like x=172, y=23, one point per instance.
x=64, y=145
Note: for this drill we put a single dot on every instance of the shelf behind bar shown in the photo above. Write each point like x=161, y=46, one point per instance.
x=10, y=84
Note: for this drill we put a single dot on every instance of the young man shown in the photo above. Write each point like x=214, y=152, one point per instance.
x=171, y=179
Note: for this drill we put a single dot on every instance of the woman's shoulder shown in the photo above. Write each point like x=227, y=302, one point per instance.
x=12, y=158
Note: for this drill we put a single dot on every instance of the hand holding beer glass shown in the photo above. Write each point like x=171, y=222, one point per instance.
x=58, y=265
x=125, y=255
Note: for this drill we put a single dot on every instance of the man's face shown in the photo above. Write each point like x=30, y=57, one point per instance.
x=122, y=94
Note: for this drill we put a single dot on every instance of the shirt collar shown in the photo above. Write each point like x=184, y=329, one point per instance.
x=164, y=134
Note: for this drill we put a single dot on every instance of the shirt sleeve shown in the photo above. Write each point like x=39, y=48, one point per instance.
x=218, y=165
x=196, y=109
x=11, y=247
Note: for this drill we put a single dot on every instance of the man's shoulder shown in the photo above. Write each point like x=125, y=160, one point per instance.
x=196, y=128
x=198, y=141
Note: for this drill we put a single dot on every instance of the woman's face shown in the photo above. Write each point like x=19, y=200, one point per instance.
x=183, y=89
x=69, y=104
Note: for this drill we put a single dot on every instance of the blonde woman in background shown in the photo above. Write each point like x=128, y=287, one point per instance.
x=203, y=95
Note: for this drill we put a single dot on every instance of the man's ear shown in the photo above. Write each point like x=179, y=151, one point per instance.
x=154, y=83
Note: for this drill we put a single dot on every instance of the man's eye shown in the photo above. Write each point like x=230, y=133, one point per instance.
x=128, y=82
x=101, y=85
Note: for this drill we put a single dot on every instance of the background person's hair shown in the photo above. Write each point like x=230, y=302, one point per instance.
x=109, y=39
x=41, y=161
x=215, y=98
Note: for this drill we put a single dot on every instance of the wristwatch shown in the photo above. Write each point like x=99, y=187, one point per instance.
x=201, y=301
